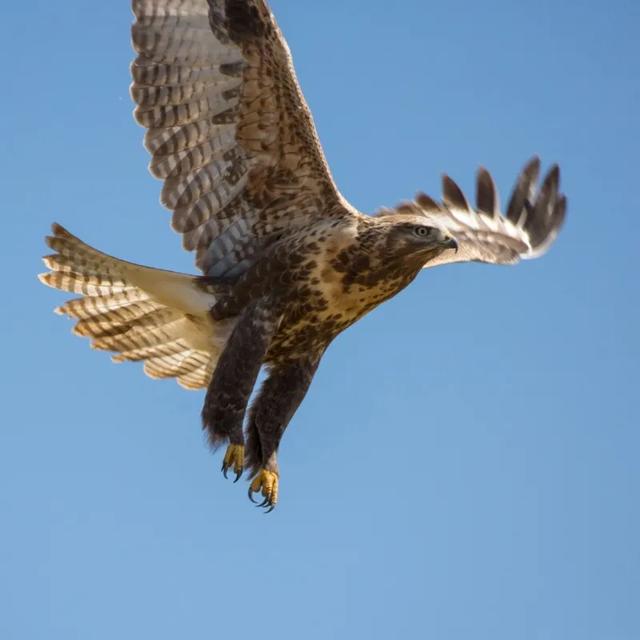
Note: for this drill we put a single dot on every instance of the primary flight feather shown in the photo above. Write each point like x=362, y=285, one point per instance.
x=287, y=262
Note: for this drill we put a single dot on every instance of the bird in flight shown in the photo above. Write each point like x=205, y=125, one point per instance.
x=287, y=262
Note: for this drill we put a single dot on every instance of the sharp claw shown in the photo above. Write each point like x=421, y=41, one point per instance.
x=233, y=461
x=265, y=488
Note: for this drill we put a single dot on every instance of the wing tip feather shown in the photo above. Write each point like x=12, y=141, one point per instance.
x=486, y=193
x=452, y=194
x=527, y=228
x=426, y=202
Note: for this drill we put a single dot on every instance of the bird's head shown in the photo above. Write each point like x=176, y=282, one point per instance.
x=413, y=237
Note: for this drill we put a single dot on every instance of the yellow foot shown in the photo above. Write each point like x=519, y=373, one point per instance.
x=265, y=483
x=234, y=459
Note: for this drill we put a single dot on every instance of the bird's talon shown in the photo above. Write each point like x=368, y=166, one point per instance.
x=233, y=459
x=266, y=484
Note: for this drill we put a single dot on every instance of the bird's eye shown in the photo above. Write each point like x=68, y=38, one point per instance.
x=422, y=231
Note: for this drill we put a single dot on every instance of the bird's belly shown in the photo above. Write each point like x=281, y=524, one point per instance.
x=309, y=327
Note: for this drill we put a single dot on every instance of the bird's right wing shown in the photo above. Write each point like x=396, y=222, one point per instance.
x=228, y=128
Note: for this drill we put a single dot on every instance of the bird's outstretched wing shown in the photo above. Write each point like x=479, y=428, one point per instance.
x=228, y=128
x=533, y=219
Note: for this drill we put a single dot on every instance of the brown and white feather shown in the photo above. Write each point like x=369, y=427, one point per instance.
x=141, y=314
x=228, y=128
x=535, y=215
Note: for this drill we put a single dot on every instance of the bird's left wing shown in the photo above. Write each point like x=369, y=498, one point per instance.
x=532, y=221
x=228, y=128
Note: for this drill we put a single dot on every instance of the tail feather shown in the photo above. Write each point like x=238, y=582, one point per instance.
x=84, y=308
x=156, y=351
x=140, y=313
x=85, y=266
x=192, y=380
x=174, y=366
x=158, y=327
x=87, y=285
x=115, y=321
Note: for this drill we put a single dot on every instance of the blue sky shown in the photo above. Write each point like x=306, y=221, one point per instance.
x=466, y=462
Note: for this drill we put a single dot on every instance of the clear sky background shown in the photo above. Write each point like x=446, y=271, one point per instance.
x=465, y=465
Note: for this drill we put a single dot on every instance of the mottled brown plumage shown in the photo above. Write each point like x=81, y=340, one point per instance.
x=288, y=263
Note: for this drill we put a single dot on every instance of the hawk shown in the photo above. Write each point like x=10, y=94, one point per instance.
x=287, y=262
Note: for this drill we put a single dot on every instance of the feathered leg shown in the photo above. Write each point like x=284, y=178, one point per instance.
x=233, y=380
x=279, y=398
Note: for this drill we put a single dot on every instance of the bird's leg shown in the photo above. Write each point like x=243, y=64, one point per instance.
x=279, y=398
x=233, y=380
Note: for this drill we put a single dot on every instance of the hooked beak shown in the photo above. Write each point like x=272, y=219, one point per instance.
x=450, y=243
x=447, y=242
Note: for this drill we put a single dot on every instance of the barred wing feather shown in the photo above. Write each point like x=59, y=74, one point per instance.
x=228, y=128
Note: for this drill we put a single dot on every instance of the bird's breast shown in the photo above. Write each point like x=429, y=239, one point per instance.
x=342, y=281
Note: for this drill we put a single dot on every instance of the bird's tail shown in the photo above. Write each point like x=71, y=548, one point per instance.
x=142, y=314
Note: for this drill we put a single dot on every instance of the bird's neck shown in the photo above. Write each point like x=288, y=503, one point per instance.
x=368, y=265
